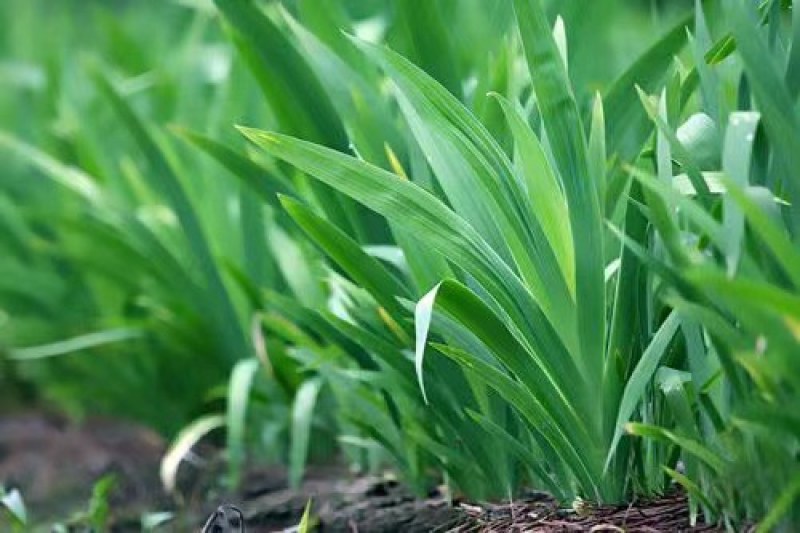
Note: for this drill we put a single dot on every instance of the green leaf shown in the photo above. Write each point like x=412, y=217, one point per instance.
x=528, y=456
x=302, y=418
x=294, y=93
x=477, y=180
x=793, y=63
x=597, y=149
x=709, y=81
x=75, y=344
x=642, y=376
x=239, y=389
x=113, y=223
x=536, y=415
x=679, y=151
x=699, y=135
x=70, y=177
x=736, y=159
x=549, y=378
x=260, y=180
x=556, y=102
x=628, y=127
x=694, y=490
x=300, y=265
x=99, y=508
x=347, y=253
x=353, y=91
x=753, y=295
x=673, y=195
x=772, y=234
x=182, y=445
x=546, y=200
x=429, y=42
x=713, y=181
x=306, y=522
x=774, y=100
x=693, y=447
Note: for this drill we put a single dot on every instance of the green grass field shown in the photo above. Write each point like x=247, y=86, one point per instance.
x=495, y=244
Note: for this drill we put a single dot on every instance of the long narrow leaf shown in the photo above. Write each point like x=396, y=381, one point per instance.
x=556, y=101
x=642, y=376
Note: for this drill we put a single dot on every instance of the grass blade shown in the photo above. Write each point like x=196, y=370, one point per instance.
x=183, y=444
x=260, y=180
x=361, y=267
x=75, y=344
x=239, y=388
x=690, y=446
x=642, y=375
x=736, y=158
x=564, y=127
x=302, y=418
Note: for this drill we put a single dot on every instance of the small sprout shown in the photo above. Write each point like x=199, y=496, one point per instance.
x=582, y=507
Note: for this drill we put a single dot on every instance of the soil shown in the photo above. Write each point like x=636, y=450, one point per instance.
x=55, y=464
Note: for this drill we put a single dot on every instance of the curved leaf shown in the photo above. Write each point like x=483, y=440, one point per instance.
x=302, y=419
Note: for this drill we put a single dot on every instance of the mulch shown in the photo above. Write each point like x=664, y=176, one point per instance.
x=373, y=505
x=542, y=514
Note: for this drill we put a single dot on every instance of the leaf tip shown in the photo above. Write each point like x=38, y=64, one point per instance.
x=259, y=137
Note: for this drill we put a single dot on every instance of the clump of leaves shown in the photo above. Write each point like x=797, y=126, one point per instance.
x=729, y=264
x=549, y=367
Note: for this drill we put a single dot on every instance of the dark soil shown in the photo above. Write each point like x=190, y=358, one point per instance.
x=364, y=504
x=55, y=464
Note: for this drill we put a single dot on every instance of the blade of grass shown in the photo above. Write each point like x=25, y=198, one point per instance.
x=302, y=419
x=556, y=101
x=75, y=344
x=736, y=159
x=365, y=270
x=693, y=447
x=239, y=389
x=642, y=376
x=429, y=42
x=260, y=180
x=536, y=415
x=183, y=444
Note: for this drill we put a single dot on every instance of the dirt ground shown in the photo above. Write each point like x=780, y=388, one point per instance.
x=55, y=464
